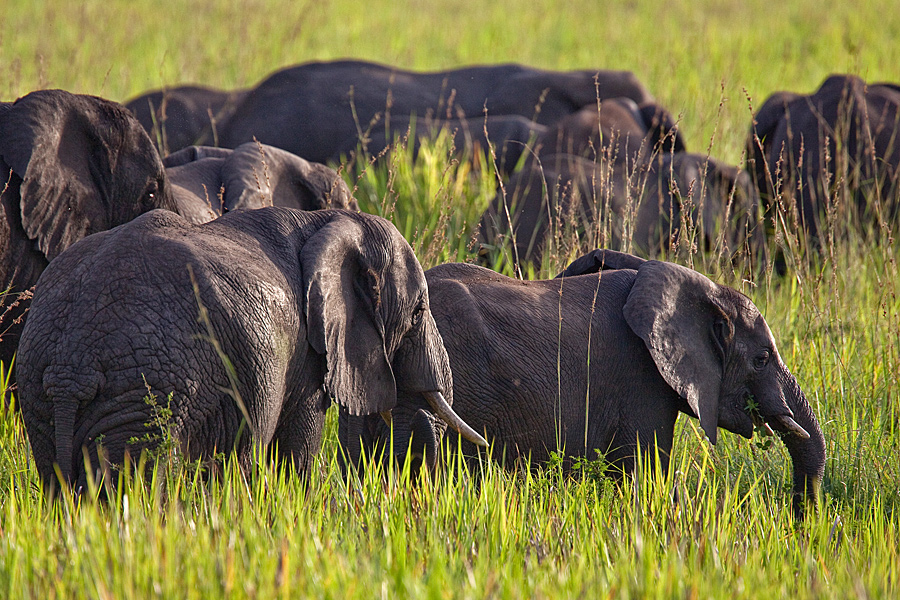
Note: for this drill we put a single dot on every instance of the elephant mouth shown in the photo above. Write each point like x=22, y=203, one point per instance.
x=783, y=424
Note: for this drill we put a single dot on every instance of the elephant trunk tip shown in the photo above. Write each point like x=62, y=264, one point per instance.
x=807, y=493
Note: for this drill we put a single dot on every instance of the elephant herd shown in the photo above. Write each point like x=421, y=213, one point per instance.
x=236, y=280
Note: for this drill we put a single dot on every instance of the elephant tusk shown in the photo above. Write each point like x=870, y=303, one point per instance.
x=445, y=412
x=792, y=426
x=386, y=416
x=767, y=430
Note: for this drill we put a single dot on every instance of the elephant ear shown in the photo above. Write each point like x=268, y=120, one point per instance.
x=250, y=177
x=662, y=129
x=342, y=320
x=676, y=313
x=61, y=145
x=258, y=175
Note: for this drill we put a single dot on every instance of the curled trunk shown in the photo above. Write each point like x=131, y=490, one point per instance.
x=807, y=454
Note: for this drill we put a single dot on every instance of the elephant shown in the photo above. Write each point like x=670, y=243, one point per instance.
x=315, y=108
x=244, y=328
x=603, y=361
x=674, y=199
x=207, y=182
x=72, y=165
x=835, y=145
x=618, y=130
x=507, y=136
x=184, y=116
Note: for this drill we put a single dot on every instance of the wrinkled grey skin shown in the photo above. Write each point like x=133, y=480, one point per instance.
x=618, y=130
x=647, y=202
x=846, y=135
x=183, y=116
x=314, y=109
x=659, y=340
x=71, y=165
x=296, y=301
x=208, y=182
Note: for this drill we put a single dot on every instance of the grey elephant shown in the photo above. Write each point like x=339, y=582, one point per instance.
x=244, y=327
x=502, y=139
x=618, y=129
x=674, y=198
x=838, y=143
x=72, y=165
x=314, y=108
x=187, y=115
x=207, y=182
x=605, y=360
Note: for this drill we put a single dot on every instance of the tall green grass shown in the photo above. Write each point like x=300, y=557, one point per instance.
x=477, y=531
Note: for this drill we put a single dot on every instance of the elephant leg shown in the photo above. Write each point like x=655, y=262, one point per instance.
x=648, y=439
x=298, y=435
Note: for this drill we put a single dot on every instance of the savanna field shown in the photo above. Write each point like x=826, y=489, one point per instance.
x=484, y=532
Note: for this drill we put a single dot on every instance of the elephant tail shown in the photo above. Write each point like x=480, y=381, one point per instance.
x=67, y=388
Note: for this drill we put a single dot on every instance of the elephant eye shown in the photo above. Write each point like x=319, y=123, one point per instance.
x=151, y=192
x=761, y=360
x=417, y=314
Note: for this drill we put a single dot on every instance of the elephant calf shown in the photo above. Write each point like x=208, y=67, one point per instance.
x=241, y=323
x=605, y=361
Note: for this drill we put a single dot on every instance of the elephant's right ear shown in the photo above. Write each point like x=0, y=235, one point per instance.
x=46, y=138
x=342, y=319
x=675, y=312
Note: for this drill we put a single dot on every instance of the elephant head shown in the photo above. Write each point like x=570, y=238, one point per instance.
x=208, y=182
x=712, y=346
x=693, y=190
x=71, y=165
x=258, y=175
x=618, y=129
x=378, y=301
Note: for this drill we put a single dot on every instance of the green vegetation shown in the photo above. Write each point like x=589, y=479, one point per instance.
x=265, y=533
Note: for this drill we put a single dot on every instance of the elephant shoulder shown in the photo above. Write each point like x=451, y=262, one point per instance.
x=455, y=285
x=157, y=218
x=460, y=273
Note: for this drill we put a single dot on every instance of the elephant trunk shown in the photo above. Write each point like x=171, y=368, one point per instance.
x=807, y=452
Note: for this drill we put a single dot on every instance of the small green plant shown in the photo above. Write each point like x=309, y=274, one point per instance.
x=160, y=440
x=762, y=434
